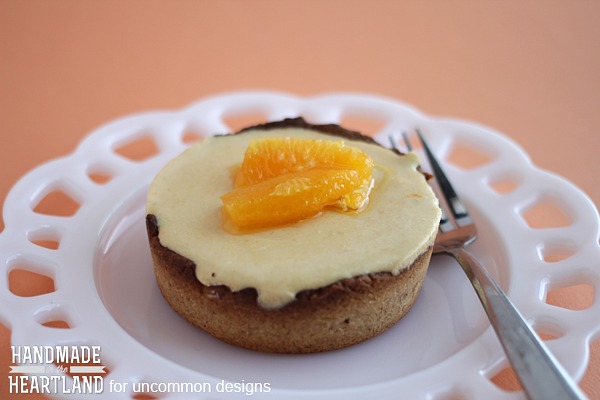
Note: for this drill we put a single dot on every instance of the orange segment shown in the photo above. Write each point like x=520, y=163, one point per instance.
x=267, y=158
x=286, y=198
x=284, y=180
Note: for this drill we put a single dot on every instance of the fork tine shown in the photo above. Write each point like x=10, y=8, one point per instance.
x=406, y=141
x=459, y=211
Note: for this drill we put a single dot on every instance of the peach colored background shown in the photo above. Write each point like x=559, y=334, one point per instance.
x=526, y=68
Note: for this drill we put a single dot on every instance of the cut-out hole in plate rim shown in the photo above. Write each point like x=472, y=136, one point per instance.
x=556, y=252
x=58, y=203
x=504, y=184
x=45, y=238
x=23, y=282
x=467, y=156
x=546, y=214
x=57, y=316
x=191, y=137
x=507, y=380
x=577, y=296
x=138, y=326
x=139, y=149
x=99, y=175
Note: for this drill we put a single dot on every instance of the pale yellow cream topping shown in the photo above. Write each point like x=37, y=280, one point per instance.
x=399, y=223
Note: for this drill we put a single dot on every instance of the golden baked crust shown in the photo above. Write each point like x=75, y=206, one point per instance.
x=339, y=315
x=336, y=316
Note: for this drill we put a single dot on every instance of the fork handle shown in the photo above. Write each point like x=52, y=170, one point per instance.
x=540, y=374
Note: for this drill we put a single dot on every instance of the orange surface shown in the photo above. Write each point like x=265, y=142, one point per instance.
x=285, y=180
x=526, y=68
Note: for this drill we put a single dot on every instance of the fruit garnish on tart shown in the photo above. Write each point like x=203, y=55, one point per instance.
x=283, y=180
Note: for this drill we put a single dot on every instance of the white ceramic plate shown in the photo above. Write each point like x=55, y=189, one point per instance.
x=444, y=348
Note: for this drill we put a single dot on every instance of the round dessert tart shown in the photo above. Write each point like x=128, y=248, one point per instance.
x=336, y=278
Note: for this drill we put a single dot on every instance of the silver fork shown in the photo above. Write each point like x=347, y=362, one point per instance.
x=540, y=374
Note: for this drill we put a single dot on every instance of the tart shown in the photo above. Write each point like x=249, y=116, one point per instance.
x=318, y=284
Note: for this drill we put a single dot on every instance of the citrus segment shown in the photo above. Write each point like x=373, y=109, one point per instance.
x=272, y=157
x=284, y=180
x=286, y=198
